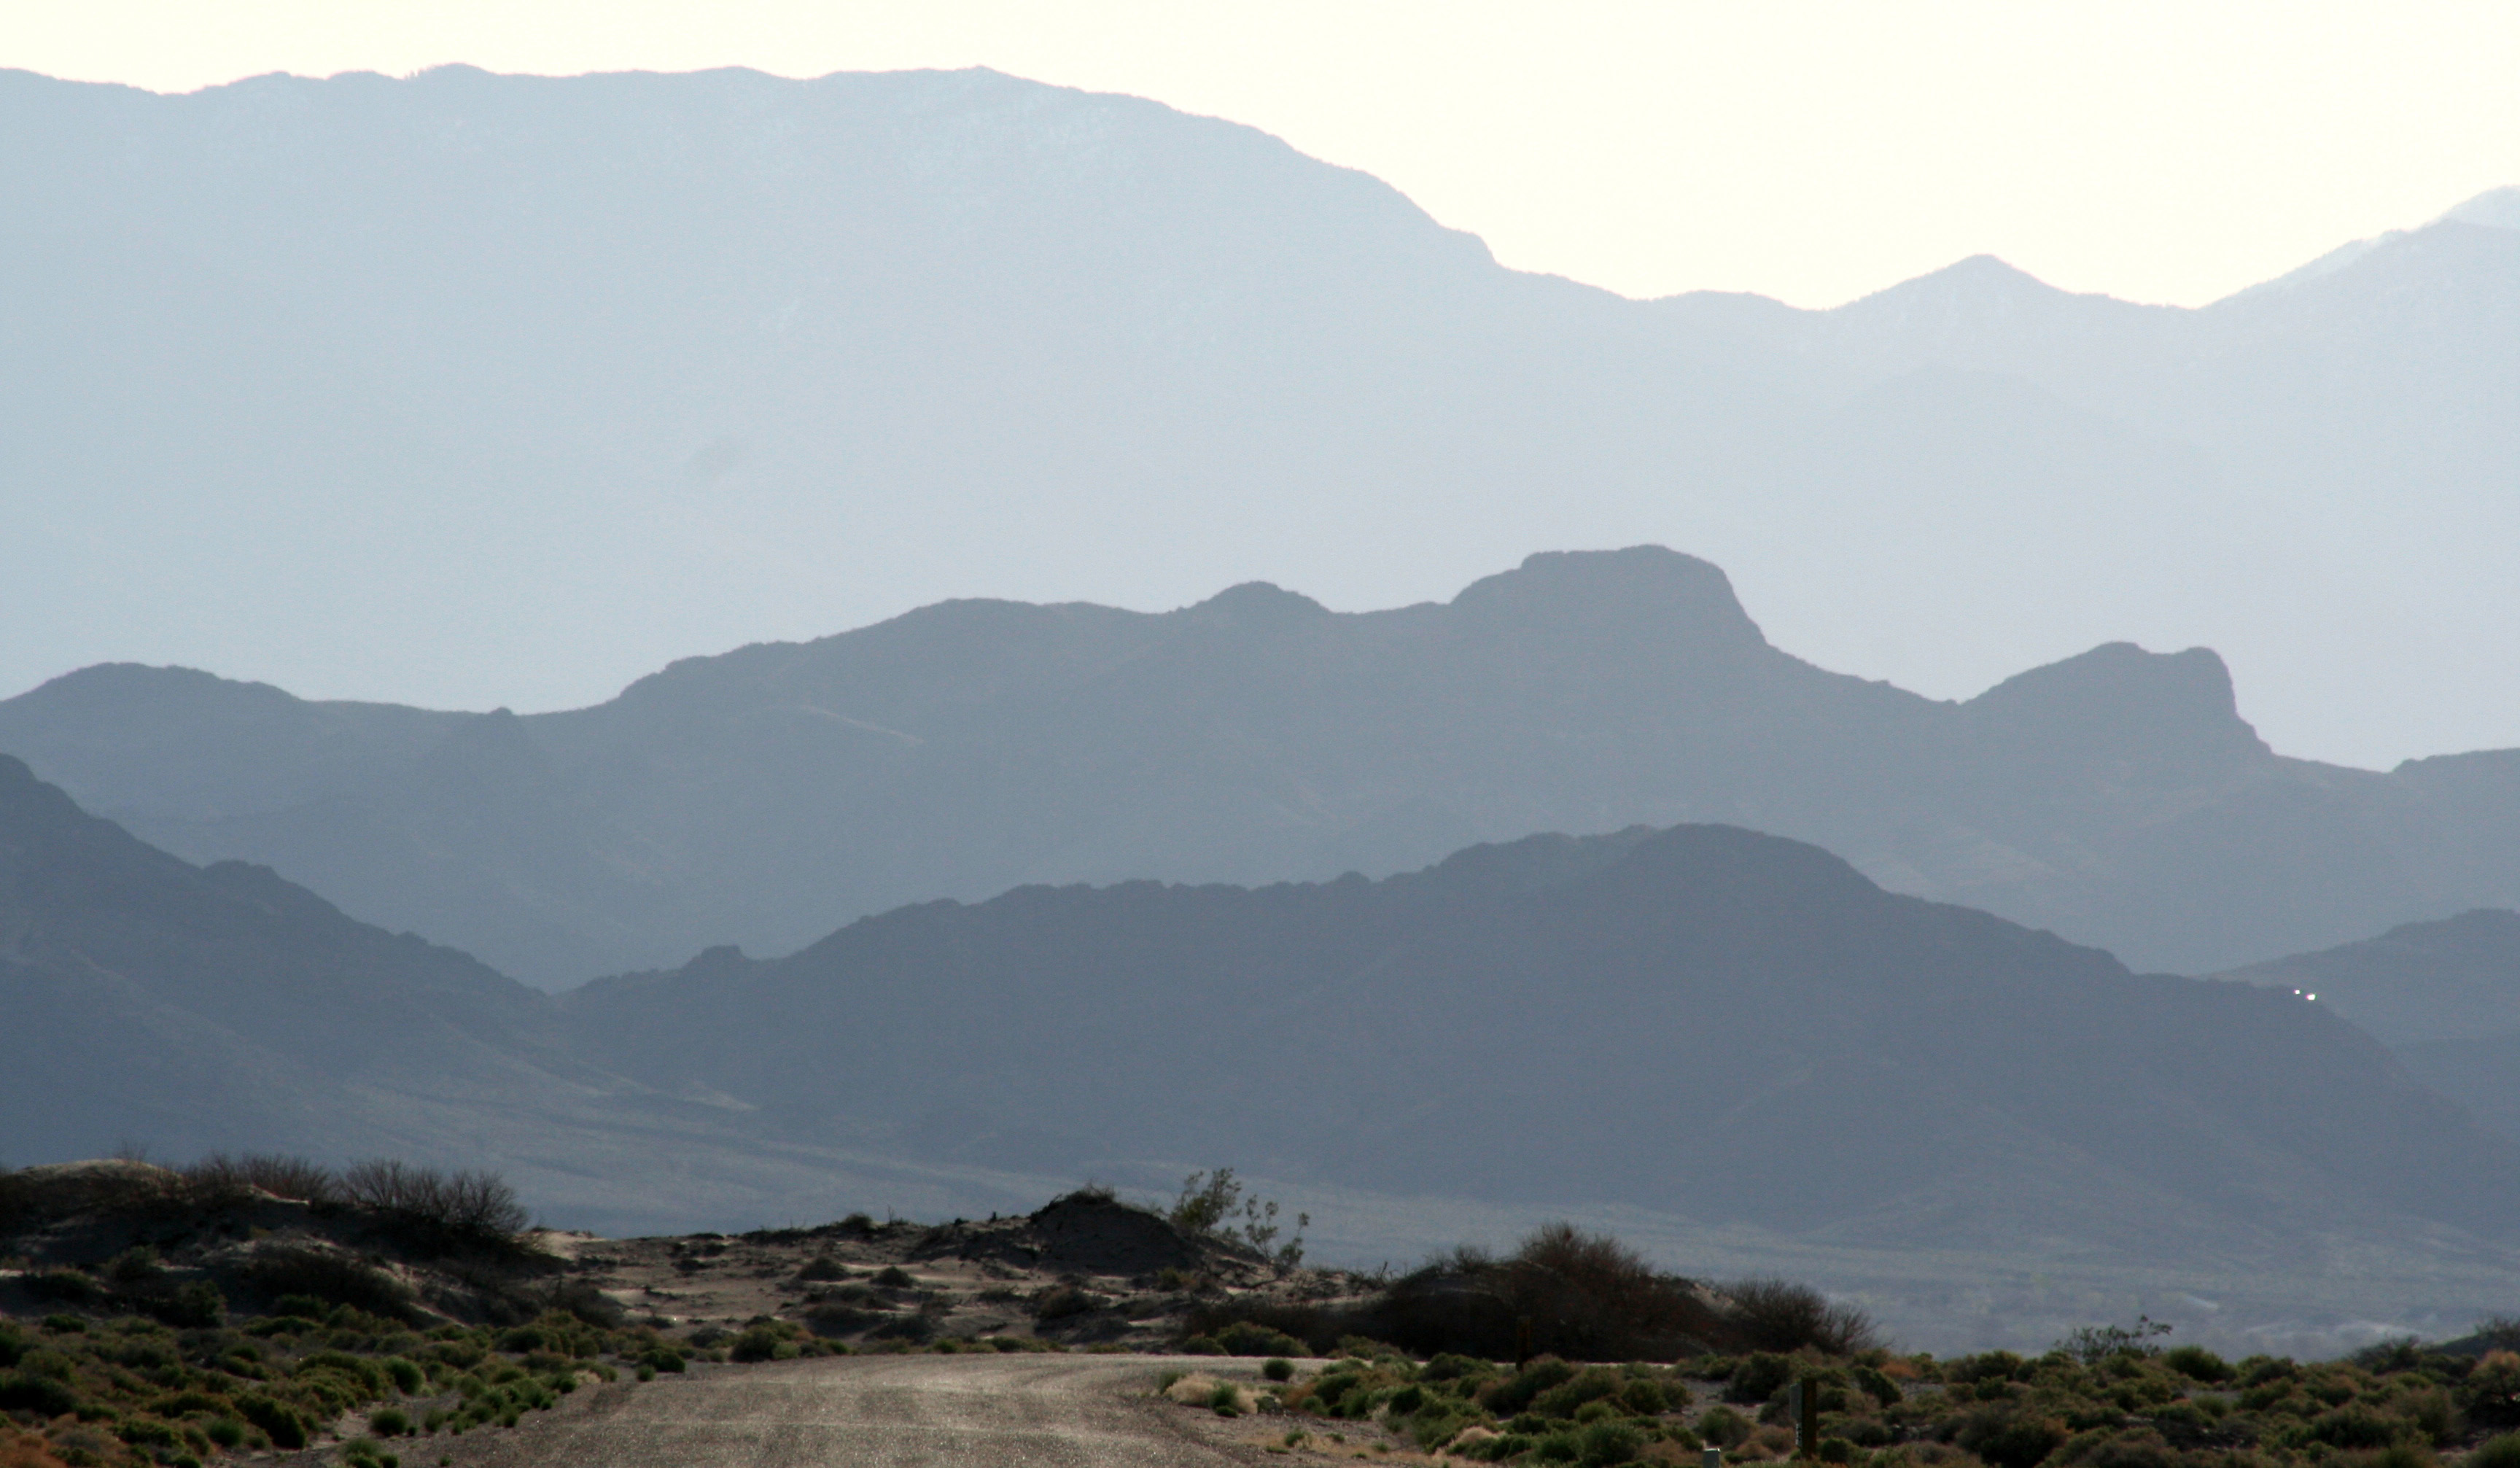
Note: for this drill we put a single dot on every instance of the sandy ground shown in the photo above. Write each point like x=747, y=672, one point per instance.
x=1035, y=1410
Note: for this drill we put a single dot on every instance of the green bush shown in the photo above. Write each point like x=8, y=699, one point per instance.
x=1244, y=1338
x=1759, y=1376
x=195, y=1304
x=1201, y=1345
x=2198, y=1365
x=1516, y=1392
x=390, y=1422
x=2498, y=1452
x=30, y=1392
x=226, y=1432
x=278, y=1421
x=822, y=1266
x=62, y=1284
x=2010, y=1438
x=1604, y=1444
x=1278, y=1368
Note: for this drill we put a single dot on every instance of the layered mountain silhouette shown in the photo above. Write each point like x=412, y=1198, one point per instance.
x=2445, y=995
x=1702, y=1019
x=768, y=796
x=462, y=381
x=193, y=1008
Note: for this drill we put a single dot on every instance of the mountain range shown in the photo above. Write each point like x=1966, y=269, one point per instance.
x=767, y=795
x=472, y=390
x=2445, y=995
x=1726, y=1030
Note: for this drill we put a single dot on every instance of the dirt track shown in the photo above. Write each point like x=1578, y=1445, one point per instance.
x=1039, y=1411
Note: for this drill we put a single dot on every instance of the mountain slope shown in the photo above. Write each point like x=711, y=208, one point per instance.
x=194, y=1007
x=770, y=795
x=531, y=384
x=1701, y=1019
x=2445, y=995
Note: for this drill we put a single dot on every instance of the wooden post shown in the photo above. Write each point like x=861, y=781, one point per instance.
x=1522, y=1342
x=1805, y=1407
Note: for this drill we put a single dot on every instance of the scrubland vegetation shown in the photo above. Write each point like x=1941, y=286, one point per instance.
x=259, y=1341
x=2136, y=1406
x=255, y=1304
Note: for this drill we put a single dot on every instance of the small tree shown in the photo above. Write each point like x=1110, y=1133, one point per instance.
x=1210, y=1202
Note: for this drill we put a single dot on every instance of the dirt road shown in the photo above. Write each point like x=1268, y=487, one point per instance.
x=1021, y=1411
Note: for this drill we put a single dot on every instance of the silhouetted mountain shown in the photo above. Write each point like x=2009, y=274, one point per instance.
x=194, y=1007
x=1731, y=1041
x=1702, y=1019
x=529, y=385
x=768, y=796
x=2445, y=995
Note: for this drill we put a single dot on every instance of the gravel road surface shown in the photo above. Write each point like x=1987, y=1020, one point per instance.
x=1038, y=1411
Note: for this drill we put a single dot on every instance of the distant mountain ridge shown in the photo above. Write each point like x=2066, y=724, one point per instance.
x=1728, y=1042
x=1793, y=1047
x=1788, y=1044
x=2444, y=995
x=770, y=795
x=531, y=384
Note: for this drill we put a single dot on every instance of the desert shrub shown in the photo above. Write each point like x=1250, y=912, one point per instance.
x=1724, y=1428
x=895, y=1277
x=225, y=1432
x=2498, y=1452
x=836, y=1317
x=2492, y=1391
x=1774, y=1314
x=1246, y=1338
x=1562, y=1292
x=1201, y=1345
x=438, y=1208
x=1516, y=1392
x=220, y=1178
x=1606, y=1443
x=72, y=1285
x=763, y=1343
x=194, y=1305
x=2093, y=1344
x=1211, y=1203
x=302, y=1275
x=917, y=1329
x=821, y=1267
x=2008, y=1438
x=1586, y=1385
x=278, y=1421
x=12, y=1346
x=1278, y=1368
x=2197, y=1364
x=1758, y=1377
x=1060, y=1302
x=390, y=1422
x=38, y=1392
x=2352, y=1427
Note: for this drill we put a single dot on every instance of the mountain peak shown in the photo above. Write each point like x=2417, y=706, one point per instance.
x=2174, y=711
x=1641, y=585
x=2495, y=208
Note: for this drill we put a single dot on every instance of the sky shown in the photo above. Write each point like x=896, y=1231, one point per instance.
x=1815, y=152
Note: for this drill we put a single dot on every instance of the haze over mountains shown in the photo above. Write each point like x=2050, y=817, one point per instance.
x=1816, y=1069
x=768, y=796
x=533, y=385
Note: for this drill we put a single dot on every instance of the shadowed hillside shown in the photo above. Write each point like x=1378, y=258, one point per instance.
x=769, y=795
x=1702, y=1019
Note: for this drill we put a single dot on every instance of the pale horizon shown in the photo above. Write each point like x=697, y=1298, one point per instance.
x=1815, y=155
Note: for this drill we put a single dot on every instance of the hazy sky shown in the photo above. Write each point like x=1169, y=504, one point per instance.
x=1813, y=152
